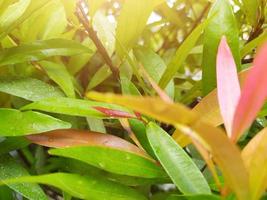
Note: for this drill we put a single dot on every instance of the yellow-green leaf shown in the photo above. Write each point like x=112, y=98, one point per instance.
x=59, y=74
x=132, y=21
x=153, y=107
x=181, y=54
x=94, y=5
x=83, y=187
x=12, y=13
x=255, y=158
x=16, y=123
x=251, y=10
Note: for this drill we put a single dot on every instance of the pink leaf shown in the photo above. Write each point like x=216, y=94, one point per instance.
x=227, y=84
x=253, y=95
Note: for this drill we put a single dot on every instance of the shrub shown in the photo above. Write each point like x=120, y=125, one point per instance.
x=133, y=99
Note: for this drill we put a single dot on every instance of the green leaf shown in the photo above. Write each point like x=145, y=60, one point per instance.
x=154, y=66
x=56, y=23
x=74, y=107
x=16, y=123
x=139, y=130
x=75, y=166
x=76, y=63
x=223, y=22
x=6, y=193
x=94, y=5
x=133, y=13
x=96, y=125
x=84, y=187
x=49, y=22
x=13, y=143
x=182, y=170
x=11, y=169
x=128, y=86
x=59, y=74
x=12, y=13
x=251, y=10
x=253, y=44
x=101, y=75
x=39, y=50
x=113, y=160
x=28, y=88
x=33, y=8
x=181, y=54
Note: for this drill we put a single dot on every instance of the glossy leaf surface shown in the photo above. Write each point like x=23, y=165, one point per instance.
x=16, y=123
x=41, y=49
x=74, y=107
x=10, y=168
x=59, y=74
x=84, y=187
x=113, y=160
x=182, y=170
x=28, y=88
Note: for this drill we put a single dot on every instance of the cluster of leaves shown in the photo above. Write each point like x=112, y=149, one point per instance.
x=175, y=123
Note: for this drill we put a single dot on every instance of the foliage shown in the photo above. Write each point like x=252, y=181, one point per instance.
x=133, y=99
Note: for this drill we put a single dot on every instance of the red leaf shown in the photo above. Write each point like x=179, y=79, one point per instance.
x=253, y=95
x=114, y=113
x=227, y=84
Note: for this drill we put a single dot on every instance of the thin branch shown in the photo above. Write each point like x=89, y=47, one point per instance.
x=82, y=16
x=257, y=30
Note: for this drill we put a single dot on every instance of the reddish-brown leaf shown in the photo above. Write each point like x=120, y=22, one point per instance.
x=71, y=137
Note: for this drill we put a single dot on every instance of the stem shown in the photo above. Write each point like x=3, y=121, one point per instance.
x=82, y=16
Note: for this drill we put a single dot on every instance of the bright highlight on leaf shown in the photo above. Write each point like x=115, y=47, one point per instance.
x=29, y=122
